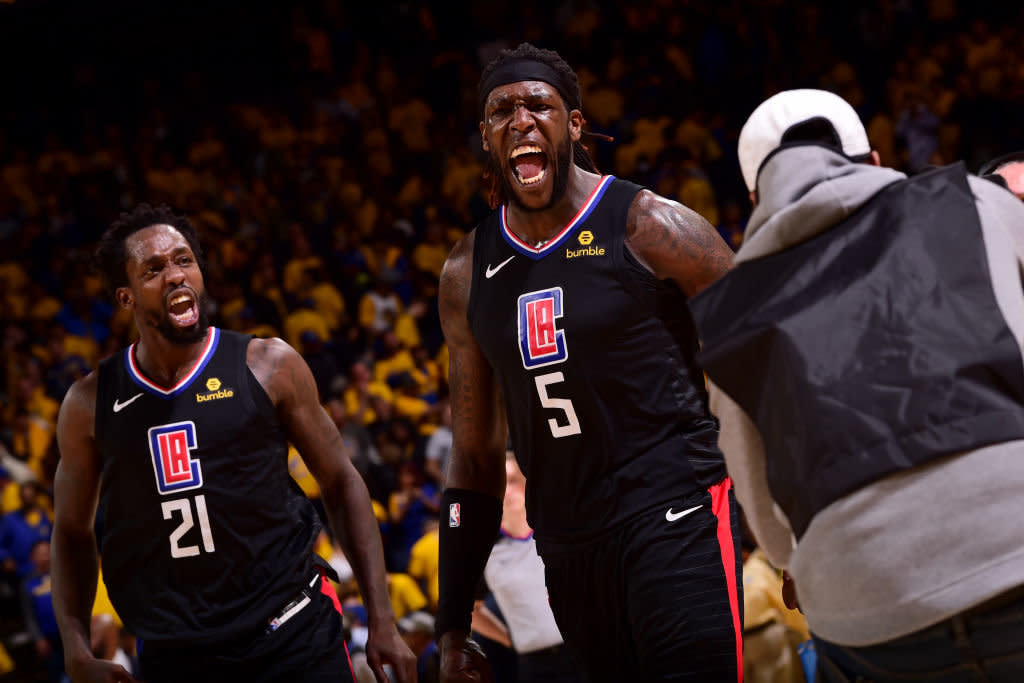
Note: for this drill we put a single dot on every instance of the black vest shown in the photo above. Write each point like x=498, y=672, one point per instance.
x=204, y=534
x=871, y=348
x=595, y=358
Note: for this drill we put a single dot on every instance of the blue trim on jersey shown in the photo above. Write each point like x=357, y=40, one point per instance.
x=558, y=240
x=151, y=387
x=520, y=539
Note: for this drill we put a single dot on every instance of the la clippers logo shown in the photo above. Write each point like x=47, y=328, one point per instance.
x=171, y=446
x=540, y=342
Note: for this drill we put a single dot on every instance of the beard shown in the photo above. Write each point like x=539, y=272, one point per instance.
x=559, y=181
x=183, y=336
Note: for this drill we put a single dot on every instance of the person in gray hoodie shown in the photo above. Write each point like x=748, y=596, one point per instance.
x=864, y=358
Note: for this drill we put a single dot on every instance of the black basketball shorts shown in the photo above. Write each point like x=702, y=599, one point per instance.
x=657, y=599
x=308, y=647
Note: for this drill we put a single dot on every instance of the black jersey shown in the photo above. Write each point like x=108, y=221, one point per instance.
x=204, y=532
x=607, y=408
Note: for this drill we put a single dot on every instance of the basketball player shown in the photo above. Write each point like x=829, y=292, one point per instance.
x=206, y=542
x=569, y=303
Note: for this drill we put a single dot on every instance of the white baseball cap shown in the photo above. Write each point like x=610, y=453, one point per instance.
x=764, y=131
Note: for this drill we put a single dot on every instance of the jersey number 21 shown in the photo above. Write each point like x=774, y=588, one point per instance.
x=171, y=446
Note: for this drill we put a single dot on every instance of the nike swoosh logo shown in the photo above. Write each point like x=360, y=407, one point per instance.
x=491, y=271
x=673, y=516
x=118, y=407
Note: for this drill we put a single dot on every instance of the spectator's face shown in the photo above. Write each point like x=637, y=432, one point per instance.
x=41, y=557
x=28, y=494
x=406, y=478
x=165, y=286
x=360, y=373
x=528, y=132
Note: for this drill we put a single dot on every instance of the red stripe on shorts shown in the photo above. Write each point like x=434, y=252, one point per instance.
x=327, y=589
x=720, y=507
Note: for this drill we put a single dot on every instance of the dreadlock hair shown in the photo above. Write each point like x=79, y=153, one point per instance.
x=564, y=80
x=111, y=257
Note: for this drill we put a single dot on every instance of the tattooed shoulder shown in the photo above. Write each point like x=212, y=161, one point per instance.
x=669, y=237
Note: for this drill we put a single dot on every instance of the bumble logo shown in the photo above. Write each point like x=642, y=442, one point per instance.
x=585, y=238
x=213, y=385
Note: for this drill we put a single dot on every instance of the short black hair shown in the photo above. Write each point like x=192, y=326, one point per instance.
x=111, y=258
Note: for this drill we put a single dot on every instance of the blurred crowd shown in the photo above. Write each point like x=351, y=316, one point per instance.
x=330, y=158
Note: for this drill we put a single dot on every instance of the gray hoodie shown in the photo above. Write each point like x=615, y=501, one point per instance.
x=917, y=547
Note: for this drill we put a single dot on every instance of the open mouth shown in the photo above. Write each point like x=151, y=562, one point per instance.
x=183, y=310
x=529, y=164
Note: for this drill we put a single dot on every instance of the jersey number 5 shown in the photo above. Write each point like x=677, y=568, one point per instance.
x=183, y=506
x=563, y=404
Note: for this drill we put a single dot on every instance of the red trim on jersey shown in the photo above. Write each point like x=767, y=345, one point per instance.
x=720, y=507
x=204, y=356
x=555, y=241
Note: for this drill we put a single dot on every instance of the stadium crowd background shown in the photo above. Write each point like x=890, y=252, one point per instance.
x=329, y=154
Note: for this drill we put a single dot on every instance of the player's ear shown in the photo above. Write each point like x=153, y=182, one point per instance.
x=124, y=297
x=575, y=124
x=483, y=138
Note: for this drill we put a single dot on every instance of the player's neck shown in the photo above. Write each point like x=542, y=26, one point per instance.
x=538, y=227
x=165, y=362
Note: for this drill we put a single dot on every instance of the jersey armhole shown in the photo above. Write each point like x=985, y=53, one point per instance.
x=255, y=396
x=634, y=276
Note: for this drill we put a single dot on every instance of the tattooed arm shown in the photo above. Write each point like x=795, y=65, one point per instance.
x=476, y=466
x=289, y=383
x=477, y=460
x=75, y=563
x=675, y=242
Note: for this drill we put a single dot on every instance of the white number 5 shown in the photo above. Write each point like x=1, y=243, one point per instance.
x=184, y=506
x=563, y=404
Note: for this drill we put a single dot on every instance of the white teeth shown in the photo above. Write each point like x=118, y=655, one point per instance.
x=181, y=298
x=535, y=179
x=526, y=149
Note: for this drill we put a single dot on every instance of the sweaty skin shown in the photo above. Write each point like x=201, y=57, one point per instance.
x=160, y=266
x=672, y=241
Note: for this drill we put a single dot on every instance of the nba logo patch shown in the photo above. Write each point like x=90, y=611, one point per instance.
x=170, y=447
x=540, y=341
x=454, y=515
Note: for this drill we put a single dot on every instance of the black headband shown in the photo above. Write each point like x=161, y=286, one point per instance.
x=519, y=69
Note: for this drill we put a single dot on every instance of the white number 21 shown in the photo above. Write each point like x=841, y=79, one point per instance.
x=184, y=507
x=563, y=404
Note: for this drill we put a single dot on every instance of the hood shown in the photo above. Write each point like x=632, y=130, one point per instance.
x=803, y=191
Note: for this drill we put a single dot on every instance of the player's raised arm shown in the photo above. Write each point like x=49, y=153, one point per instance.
x=471, y=506
x=75, y=562
x=676, y=243
x=290, y=384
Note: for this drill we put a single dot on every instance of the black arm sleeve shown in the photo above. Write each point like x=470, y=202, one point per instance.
x=465, y=541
